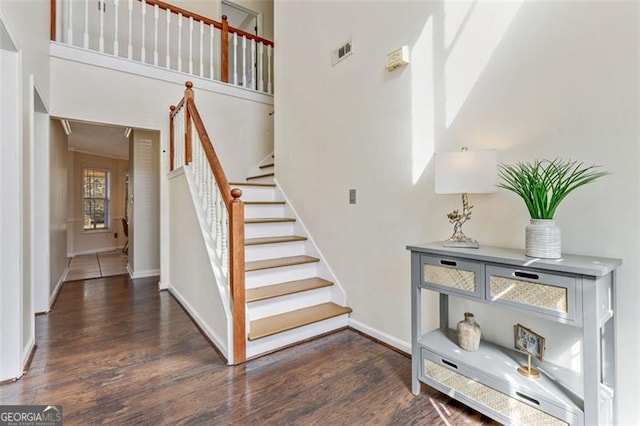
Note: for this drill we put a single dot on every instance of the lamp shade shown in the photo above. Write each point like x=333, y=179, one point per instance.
x=472, y=172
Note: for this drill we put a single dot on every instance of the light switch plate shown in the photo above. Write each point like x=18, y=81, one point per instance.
x=352, y=196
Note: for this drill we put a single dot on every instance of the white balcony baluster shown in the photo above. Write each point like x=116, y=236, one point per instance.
x=156, y=15
x=143, y=52
x=167, y=61
x=116, y=47
x=130, y=45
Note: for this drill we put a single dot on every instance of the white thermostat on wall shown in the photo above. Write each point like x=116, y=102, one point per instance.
x=398, y=58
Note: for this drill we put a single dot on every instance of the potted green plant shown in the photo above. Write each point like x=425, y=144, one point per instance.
x=543, y=184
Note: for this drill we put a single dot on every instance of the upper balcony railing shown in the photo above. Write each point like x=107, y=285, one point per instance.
x=158, y=33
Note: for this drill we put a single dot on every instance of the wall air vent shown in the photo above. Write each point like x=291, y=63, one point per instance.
x=342, y=52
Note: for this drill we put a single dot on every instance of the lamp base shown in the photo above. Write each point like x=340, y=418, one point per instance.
x=462, y=243
x=458, y=239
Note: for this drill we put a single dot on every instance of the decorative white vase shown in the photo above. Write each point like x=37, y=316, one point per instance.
x=469, y=333
x=543, y=239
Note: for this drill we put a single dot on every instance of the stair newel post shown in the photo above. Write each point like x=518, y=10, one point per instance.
x=172, y=142
x=237, y=275
x=188, y=94
x=52, y=28
x=224, y=49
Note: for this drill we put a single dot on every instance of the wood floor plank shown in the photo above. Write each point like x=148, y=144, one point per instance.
x=282, y=289
x=115, y=350
x=288, y=321
x=280, y=262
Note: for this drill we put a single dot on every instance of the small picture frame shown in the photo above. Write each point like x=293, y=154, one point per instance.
x=528, y=341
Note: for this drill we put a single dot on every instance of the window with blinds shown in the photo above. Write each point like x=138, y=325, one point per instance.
x=96, y=199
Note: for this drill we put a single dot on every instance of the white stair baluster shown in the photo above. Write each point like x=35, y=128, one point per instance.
x=116, y=47
x=269, y=85
x=156, y=12
x=214, y=212
x=190, y=45
x=167, y=61
x=70, y=24
x=130, y=46
x=244, y=61
x=260, y=65
x=180, y=42
x=253, y=65
x=218, y=234
x=201, y=48
x=211, y=29
x=101, y=7
x=143, y=52
x=235, y=59
x=224, y=255
x=85, y=36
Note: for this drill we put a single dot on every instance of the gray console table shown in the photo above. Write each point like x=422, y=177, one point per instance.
x=575, y=290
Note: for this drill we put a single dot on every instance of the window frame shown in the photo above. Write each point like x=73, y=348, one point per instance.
x=107, y=200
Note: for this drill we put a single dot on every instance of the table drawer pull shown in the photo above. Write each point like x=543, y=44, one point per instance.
x=448, y=263
x=528, y=275
x=528, y=398
x=449, y=363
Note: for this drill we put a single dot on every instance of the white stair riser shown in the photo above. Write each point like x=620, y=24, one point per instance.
x=264, y=277
x=276, y=210
x=291, y=302
x=258, y=230
x=266, y=179
x=280, y=340
x=253, y=193
x=272, y=251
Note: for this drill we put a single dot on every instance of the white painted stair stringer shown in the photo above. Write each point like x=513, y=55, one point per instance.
x=338, y=295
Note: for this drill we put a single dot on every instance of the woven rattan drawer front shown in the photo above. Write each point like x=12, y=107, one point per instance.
x=453, y=275
x=547, y=294
x=518, y=412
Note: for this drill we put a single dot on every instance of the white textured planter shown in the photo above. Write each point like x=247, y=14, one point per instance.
x=543, y=239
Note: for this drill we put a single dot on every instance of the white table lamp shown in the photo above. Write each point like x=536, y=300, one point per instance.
x=465, y=172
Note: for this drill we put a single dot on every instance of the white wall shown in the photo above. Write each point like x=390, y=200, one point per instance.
x=12, y=315
x=535, y=80
x=192, y=279
x=102, y=240
x=58, y=202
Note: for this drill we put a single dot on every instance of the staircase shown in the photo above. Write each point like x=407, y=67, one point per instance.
x=290, y=295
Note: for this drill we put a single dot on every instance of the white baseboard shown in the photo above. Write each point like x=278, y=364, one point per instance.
x=142, y=274
x=94, y=251
x=382, y=336
x=27, y=351
x=163, y=285
x=56, y=290
x=220, y=344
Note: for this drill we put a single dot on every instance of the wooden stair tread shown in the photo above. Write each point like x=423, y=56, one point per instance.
x=288, y=321
x=265, y=203
x=264, y=166
x=261, y=176
x=269, y=219
x=282, y=289
x=257, y=265
x=273, y=240
x=266, y=185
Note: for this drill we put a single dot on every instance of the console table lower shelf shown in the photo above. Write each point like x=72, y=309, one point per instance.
x=488, y=381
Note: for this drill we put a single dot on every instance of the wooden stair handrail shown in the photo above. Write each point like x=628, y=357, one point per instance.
x=234, y=206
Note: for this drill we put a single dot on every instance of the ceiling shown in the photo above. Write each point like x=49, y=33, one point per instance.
x=98, y=139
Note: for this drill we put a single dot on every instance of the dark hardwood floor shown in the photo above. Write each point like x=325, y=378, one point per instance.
x=116, y=350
